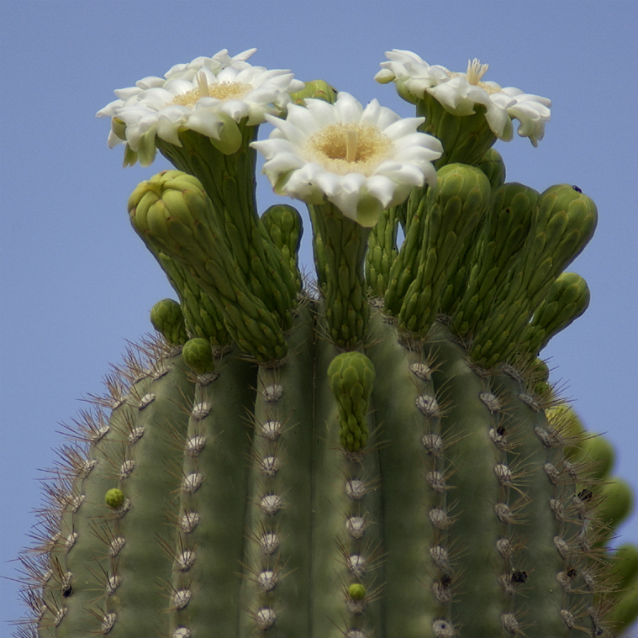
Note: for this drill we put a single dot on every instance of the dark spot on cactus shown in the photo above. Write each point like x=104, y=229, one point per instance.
x=500, y=430
x=519, y=577
x=446, y=580
x=577, y=189
x=585, y=495
x=443, y=629
x=67, y=591
x=571, y=572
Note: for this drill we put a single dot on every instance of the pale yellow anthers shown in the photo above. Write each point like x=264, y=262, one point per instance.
x=361, y=160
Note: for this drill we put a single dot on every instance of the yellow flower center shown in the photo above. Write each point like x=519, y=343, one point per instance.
x=348, y=148
x=218, y=90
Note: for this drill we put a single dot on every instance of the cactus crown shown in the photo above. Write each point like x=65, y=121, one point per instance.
x=378, y=453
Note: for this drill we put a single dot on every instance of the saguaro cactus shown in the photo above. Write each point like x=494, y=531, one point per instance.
x=378, y=452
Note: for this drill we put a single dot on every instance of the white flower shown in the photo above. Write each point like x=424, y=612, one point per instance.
x=207, y=95
x=459, y=93
x=362, y=160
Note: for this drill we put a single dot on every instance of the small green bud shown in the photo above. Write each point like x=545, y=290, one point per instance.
x=494, y=168
x=624, y=565
x=566, y=299
x=598, y=452
x=625, y=609
x=351, y=377
x=167, y=318
x=315, y=89
x=357, y=591
x=114, y=498
x=616, y=500
x=198, y=355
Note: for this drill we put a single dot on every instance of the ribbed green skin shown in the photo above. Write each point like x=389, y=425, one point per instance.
x=443, y=513
x=382, y=457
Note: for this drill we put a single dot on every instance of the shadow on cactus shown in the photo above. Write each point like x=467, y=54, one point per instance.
x=375, y=453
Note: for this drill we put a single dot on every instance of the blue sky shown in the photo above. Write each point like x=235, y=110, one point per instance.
x=77, y=283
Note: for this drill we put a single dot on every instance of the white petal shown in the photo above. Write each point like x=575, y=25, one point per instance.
x=322, y=112
x=497, y=119
x=329, y=183
x=402, y=127
x=402, y=173
x=382, y=188
x=205, y=122
x=282, y=162
x=270, y=93
x=347, y=108
x=402, y=166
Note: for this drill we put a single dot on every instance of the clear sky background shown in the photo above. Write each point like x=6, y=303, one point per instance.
x=77, y=283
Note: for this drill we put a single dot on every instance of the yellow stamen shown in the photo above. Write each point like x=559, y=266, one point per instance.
x=219, y=90
x=344, y=148
x=475, y=71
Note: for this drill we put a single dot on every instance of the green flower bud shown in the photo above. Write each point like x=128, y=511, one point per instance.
x=625, y=609
x=357, y=591
x=198, y=355
x=624, y=565
x=494, y=168
x=566, y=300
x=114, y=498
x=167, y=319
x=315, y=89
x=598, y=452
x=616, y=500
x=351, y=376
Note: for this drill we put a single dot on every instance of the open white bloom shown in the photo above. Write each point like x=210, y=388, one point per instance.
x=459, y=93
x=362, y=160
x=207, y=95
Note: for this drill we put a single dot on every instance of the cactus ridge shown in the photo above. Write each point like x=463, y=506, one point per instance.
x=385, y=457
x=436, y=426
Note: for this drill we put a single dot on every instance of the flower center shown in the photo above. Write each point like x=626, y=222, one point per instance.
x=218, y=90
x=347, y=148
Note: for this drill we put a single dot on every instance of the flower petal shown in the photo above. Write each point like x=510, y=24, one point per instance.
x=396, y=157
x=161, y=106
x=459, y=93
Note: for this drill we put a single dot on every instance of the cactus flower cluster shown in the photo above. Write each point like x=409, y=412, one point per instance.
x=373, y=451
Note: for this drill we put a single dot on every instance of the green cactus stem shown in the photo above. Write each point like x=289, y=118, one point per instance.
x=381, y=454
x=172, y=213
x=459, y=509
x=454, y=209
x=382, y=250
x=340, y=248
x=465, y=139
x=229, y=181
